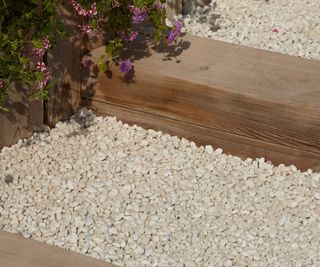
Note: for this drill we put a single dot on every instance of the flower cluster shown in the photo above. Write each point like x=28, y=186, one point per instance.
x=92, y=11
x=87, y=29
x=39, y=52
x=126, y=66
x=175, y=32
x=139, y=14
x=46, y=72
x=41, y=66
x=123, y=18
x=131, y=37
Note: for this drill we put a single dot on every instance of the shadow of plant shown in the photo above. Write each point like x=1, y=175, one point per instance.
x=172, y=51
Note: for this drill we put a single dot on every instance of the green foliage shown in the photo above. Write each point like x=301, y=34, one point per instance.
x=23, y=25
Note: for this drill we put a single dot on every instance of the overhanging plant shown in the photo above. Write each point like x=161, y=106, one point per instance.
x=25, y=30
x=29, y=28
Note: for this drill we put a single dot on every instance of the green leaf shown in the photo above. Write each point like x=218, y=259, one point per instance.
x=103, y=67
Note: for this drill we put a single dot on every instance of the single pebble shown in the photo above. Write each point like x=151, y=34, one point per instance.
x=8, y=179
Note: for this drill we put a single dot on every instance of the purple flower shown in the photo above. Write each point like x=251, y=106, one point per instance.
x=139, y=16
x=158, y=6
x=177, y=26
x=172, y=36
x=126, y=66
x=175, y=32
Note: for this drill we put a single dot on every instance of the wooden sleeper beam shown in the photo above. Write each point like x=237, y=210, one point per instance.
x=16, y=251
x=250, y=102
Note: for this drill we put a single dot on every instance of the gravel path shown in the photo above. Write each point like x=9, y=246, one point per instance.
x=288, y=26
x=143, y=198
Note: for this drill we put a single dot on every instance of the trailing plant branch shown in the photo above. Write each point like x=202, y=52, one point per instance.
x=29, y=28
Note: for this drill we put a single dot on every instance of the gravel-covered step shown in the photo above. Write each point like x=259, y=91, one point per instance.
x=138, y=197
x=287, y=26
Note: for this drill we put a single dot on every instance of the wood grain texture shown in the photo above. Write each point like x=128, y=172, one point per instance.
x=231, y=143
x=173, y=8
x=25, y=118
x=16, y=251
x=238, y=92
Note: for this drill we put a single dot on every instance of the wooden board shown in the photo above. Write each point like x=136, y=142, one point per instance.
x=234, y=144
x=263, y=103
x=16, y=251
x=64, y=60
x=25, y=118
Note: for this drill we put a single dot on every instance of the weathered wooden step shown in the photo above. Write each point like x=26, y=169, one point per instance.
x=16, y=251
x=252, y=103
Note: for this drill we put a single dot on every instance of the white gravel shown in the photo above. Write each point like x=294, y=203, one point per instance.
x=143, y=198
x=287, y=26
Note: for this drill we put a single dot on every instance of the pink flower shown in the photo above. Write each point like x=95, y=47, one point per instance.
x=39, y=52
x=78, y=8
x=1, y=83
x=87, y=29
x=115, y=4
x=132, y=36
x=41, y=66
x=275, y=30
x=134, y=9
x=46, y=75
x=87, y=62
x=92, y=11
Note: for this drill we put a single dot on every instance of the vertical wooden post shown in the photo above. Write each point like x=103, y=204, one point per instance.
x=173, y=8
x=64, y=60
